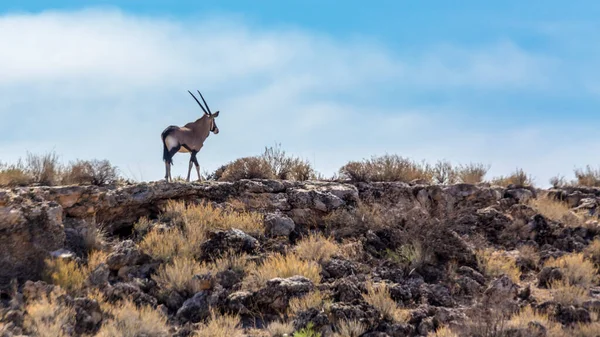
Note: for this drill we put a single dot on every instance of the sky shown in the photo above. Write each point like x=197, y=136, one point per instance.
x=509, y=84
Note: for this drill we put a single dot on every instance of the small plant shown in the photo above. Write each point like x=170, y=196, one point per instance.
x=316, y=248
x=592, y=251
x=556, y=211
x=247, y=168
x=69, y=274
x=517, y=178
x=442, y=332
x=129, y=320
x=379, y=297
x=588, y=176
x=576, y=269
x=386, y=168
x=472, y=173
x=221, y=326
x=178, y=275
x=444, y=173
x=46, y=317
x=307, y=331
x=411, y=255
x=494, y=264
x=350, y=328
x=279, y=329
x=314, y=299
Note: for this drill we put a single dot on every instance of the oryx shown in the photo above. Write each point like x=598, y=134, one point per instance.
x=189, y=138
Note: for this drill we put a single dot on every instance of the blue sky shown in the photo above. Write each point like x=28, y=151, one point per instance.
x=510, y=84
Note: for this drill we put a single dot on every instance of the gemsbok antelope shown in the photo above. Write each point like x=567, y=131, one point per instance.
x=189, y=138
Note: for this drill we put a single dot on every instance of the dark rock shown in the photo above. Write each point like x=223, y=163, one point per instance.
x=277, y=224
x=240, y=302
x=471, y=273
x=125, y=253
x=235, y=240
x=123, y=291
x=338, y=268
x=278, y=291
x=99, y=276
x=548, y=275
x=437, y=295
x=571, y=315
x=195, y=308
x=347, y=290
x=88, y=315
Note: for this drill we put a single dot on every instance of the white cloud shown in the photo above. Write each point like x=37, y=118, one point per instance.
x=103, y=84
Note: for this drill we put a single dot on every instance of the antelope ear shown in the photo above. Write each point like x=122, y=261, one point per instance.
x=216, y=114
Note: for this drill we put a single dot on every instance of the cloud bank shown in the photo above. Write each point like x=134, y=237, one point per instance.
x=104, y=84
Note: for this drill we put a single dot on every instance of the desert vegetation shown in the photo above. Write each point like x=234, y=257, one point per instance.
x=390, y=247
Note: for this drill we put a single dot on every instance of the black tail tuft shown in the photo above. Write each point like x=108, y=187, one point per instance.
x=163, y=135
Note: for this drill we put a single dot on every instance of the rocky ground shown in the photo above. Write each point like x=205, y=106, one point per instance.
x=275, y=258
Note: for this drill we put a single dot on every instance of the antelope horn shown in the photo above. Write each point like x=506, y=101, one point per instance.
x=204, y=102
x=200, y=104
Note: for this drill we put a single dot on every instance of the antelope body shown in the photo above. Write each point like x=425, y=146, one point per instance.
x=188, y=139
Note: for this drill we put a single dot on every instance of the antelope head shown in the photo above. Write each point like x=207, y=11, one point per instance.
x=209, y=114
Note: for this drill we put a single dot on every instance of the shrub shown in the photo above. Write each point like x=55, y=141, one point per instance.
x=44, y=169
x=314, y=299
x=442, y=332
x=247, y=168
x=494, y=263
x=316, y=248
x=91, y=172
x=379, y=297
x=588, y=177
x=279, y=329
x=576, y=269
x=350, y=328
x=517, y=178
x=592, y=251
x=221, y=326
x=471, y=173
x=46, y=317
x=279, y=265
x=523, y=318
x=556, y=211
x=14, y=175
x=178, y=275
x=69, y=274
x=411, y=255
x=285, y=167
x=567, y=293
x=128, y=320
x=386, y=168
x=190, y=226
x=443, y=173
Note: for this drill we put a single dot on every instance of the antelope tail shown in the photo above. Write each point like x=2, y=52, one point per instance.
x=166, y=157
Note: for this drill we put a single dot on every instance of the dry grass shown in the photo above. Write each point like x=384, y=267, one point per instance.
x=522, y=318
x=518, y=178
x=386, y=168
x=45, y=169
x=317, y=248
x=247, y=168
x=221, y=326
x=411, y=255
x=378, y=295
x=576, y=269
x=350, y=328
x=279, y=329
x=45, y=317
x=69, y=274
x=190, y=227
x=567, y=294
x=314, y=299
x=442, y=332
x=177, y=275
x=286, y=167
x=588, y=176
x=472, y=173
x=128, y=320
x=495, y=263
x=557, y=211
x=529, y=256
x=284, y=266
x=584, y=330
x=592, y=251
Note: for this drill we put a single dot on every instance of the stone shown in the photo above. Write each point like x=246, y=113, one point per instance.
x=277, y=224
